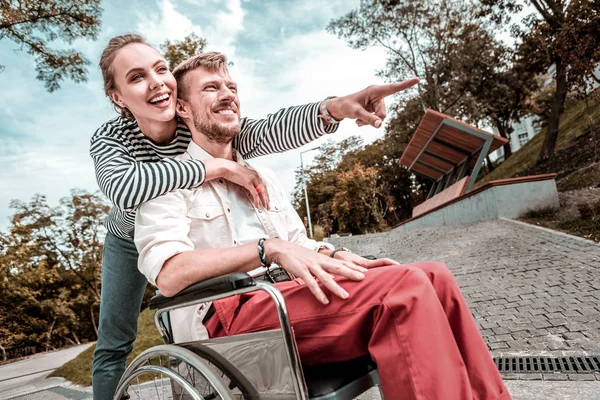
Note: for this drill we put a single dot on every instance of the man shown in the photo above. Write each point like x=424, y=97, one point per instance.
x=412, y=319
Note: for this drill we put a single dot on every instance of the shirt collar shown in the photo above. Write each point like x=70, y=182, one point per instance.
x=198, y=153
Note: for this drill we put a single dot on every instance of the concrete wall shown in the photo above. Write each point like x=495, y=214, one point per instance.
x=507, y=201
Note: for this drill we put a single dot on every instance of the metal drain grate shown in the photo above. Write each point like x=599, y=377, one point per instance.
x=572, y=365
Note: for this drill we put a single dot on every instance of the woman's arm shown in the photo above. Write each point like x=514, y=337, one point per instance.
x=128, y=182
x=287, y=129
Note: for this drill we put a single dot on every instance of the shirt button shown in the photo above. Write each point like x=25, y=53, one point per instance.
x=228, y=210
x=207, y=215
x=235, y=242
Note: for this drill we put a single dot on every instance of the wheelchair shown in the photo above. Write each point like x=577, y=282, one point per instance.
x=262, y=365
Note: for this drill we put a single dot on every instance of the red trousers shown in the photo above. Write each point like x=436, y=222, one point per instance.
x=412, y=319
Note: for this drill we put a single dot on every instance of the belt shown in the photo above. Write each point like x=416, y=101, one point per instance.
x=273, y=275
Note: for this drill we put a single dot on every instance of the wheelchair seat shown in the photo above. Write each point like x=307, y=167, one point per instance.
x=346, y=379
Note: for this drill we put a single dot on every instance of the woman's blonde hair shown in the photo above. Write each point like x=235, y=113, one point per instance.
x=106, y=60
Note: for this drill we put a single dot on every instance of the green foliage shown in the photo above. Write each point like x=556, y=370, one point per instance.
x=50, y=261
x=544, y=213
x=33, y=24
x=465, y=72
x=443, y=42
x=178, y=51
x=356, y=203
x=573, y=125
x=387, y=192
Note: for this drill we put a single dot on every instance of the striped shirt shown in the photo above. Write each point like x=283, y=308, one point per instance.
x=131, y=169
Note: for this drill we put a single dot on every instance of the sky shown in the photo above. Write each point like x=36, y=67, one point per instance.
x=282, y=56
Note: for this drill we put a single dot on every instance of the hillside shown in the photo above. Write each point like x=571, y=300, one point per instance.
x=576, y=162
x=577, y=151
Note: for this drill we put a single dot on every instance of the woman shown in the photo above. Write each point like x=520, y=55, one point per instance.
x=133, y=160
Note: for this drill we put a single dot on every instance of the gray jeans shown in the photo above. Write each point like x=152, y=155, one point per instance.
x=123, y=288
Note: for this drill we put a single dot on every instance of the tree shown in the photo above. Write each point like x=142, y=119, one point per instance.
x=564, y=35
x=180, y=50
x=33, y=24
x=321, y=181
x=441, y=41
x=507, y=94
x=395, y=189
x=356, y=204
x=465, y=72
x=50, y=261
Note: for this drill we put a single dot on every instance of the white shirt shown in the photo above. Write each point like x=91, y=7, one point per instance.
x=215, y=215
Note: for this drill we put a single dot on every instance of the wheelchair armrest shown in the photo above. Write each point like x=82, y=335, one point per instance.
x=207, y=288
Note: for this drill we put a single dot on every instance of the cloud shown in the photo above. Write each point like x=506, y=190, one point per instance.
x=219, y=22
x=227, y=25
x=168, y=23
x=305, y=68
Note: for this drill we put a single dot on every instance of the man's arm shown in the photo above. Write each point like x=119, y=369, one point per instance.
x=169, y=261
x=167, y=256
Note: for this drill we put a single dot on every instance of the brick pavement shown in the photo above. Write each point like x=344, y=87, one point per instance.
x=530, y=290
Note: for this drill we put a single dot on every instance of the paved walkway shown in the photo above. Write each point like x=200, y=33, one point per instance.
x=27, y=376
x=531, y=291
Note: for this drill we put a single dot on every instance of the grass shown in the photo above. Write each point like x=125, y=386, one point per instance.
x=79, y=370
x=573, y=124
x=585, y=177
x=586, y=225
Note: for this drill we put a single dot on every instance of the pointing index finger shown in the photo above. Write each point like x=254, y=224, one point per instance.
x=391, y=88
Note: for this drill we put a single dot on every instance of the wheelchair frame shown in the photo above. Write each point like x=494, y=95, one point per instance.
x=240, y=283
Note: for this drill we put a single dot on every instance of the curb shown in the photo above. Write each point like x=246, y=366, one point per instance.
x=548, y=230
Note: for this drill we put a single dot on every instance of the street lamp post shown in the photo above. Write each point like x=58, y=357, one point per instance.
x=310, y=230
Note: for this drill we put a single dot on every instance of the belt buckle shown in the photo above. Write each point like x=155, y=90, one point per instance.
x=276, y=275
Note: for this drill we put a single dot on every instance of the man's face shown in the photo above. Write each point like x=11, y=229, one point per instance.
x=214, y=104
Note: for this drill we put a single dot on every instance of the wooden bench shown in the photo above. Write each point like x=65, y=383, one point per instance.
x=450, y=153
x=445, y=196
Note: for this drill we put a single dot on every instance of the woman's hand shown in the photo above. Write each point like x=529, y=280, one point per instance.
x=311, y=266
x=240, y=175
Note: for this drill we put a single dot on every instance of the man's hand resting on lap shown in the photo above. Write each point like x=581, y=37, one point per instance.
x=307, y=265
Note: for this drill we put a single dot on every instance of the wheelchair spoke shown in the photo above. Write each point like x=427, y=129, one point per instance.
x=180, y=373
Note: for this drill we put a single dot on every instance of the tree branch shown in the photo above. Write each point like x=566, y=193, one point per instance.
x=550, y=19
x=37, y=19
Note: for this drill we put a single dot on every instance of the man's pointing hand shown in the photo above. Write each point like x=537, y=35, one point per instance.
x=367, y=107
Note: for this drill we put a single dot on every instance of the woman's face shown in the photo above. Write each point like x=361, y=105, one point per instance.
x=144, y=83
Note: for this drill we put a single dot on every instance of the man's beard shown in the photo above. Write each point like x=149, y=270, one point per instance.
x=216, y=132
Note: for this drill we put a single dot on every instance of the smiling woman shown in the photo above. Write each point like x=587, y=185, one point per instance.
x=133, y=157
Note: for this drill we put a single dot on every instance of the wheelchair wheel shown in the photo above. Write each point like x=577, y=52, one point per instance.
x=171, y=372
